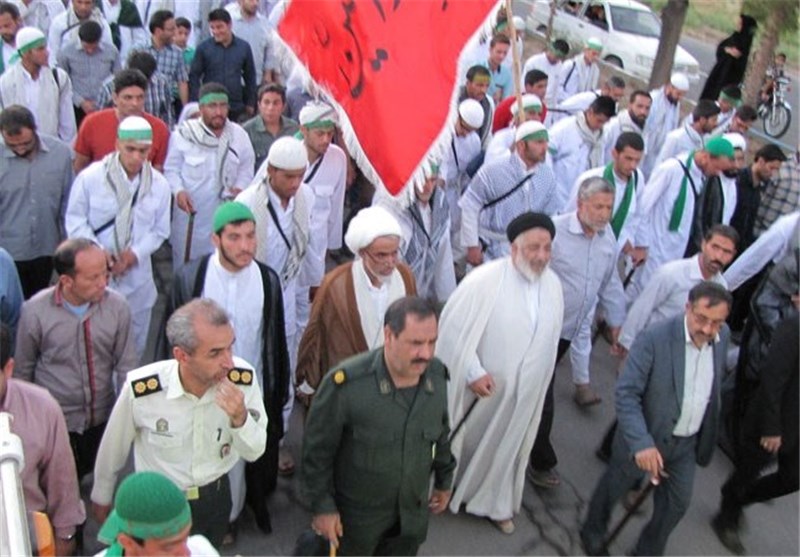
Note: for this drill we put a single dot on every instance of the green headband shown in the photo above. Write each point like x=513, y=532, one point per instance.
x=30, y=46
x=320, y=124
x=726, y=97
x=134, y=135
x=594, y=45
x=500, y=26
x=537, y=136
x=209, y=98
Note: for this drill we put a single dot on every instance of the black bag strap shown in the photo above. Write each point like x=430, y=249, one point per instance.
x=510, y=192
x=689, y=177
x=314, y=169
x=569, y=75
x=105, y=226
x=274, y=216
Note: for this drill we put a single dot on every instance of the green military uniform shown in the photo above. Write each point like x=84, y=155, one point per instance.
x=369, y=450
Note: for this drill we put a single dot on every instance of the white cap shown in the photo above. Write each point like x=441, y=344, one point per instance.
x=135, y=128
x=317, y=113
x=27, y=37
x=529, y=100
x=679, y=81
x=288, y=153
x=368, y=224
x=519, y=24
x=528, y=128
x=471, y=112
x=737, y=140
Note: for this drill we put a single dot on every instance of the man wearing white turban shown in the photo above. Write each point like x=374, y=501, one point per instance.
x=348, y=309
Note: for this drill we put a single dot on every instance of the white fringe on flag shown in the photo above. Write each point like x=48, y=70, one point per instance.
x=440, y=143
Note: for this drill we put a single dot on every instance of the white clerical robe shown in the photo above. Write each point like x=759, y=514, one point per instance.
x=656, y=207
x=92, y=204
x=680, y=140
x=454, y=170
x=541, y=63
x=663, y=118
x=576, y=76
x=193, y=168
x=498, y=322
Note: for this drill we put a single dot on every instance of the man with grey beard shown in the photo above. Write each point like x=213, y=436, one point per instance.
x=584, y=258
x=498, y=336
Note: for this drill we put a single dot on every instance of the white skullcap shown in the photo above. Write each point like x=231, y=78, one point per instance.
x=28, y=38
x=135, y=128
x=519, y=24
x=736, y=140
x=679, y=81
x=531, y=127
x=529, y=100
x=368, y=224
x=471, y=112
x=288, y=153
x=317, y=114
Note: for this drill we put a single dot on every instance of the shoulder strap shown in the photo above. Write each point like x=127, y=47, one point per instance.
x=274, y=216
x=510, y=192
x=569, y=75
x=106, y=225
x=314, y=169
x=55, y=77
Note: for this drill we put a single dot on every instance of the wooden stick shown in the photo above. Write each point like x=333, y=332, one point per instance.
x=187, y=248
x=515, y=61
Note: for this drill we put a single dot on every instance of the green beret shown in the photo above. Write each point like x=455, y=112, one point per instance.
x=719, y=147
x=231, y=211
x=147, y=506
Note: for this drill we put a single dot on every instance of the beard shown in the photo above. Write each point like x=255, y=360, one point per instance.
x=639, y=121
x=529, y=273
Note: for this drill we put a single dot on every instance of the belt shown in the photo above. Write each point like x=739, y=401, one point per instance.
x=194, y=492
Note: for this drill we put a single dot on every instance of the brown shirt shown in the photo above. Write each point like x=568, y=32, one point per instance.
x=74, y=357
x=49, y=479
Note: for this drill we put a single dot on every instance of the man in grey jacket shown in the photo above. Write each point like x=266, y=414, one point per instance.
x=667, y=401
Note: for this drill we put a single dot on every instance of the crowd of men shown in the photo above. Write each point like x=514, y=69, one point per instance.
x=137, y=130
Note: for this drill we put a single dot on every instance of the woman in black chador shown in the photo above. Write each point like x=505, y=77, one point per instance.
x=732, y=55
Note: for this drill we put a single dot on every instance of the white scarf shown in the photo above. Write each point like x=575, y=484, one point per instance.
x=196, y=132
x=300, y=233
x=626, y=123
x=116, y=179
x=594, y=139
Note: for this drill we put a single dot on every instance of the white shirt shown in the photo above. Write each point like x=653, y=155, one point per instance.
x=569, y=156
x=541, y=63
x=772, y=245
x=58, y=35
x=8, y=52
x=583, y=77
x=665, y=296
x=92, y=204
x=241, y=293
x=188, y=439
x=697, y=382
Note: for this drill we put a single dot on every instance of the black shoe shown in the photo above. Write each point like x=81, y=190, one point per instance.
x=589, y=549
x=728, y=535
x=262, y=517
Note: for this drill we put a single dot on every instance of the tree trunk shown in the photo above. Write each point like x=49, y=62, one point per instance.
x=672, y=17
x=761, y=56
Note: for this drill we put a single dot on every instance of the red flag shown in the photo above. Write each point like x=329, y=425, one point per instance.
x=391, y=65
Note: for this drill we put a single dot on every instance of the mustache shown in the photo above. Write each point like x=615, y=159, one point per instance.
x=420, y=361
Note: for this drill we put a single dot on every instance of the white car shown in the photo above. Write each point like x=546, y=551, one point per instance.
x=629, y=32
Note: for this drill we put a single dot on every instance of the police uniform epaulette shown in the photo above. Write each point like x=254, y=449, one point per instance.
x=146, y=385
x=241, y=376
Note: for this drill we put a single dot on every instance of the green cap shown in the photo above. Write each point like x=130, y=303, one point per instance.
x=719, y=147
x=147, y=506
x=594, y=44
x=231, y=211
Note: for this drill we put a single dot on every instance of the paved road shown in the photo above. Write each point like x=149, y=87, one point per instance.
x=706, y=54
x=548, y=522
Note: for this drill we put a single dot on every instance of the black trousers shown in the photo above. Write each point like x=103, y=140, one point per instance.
x=543, y=456
x=84, y=448
x=746, y=485
x=34, y=274
x=211, y=510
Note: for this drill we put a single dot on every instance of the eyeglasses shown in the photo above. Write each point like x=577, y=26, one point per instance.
x=704, y=321
x=384, y=256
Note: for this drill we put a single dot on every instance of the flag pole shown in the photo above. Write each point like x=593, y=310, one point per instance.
x=515, y=61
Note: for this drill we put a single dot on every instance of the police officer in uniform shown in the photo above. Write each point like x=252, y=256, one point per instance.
x=190, y=418
x=377, y=429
